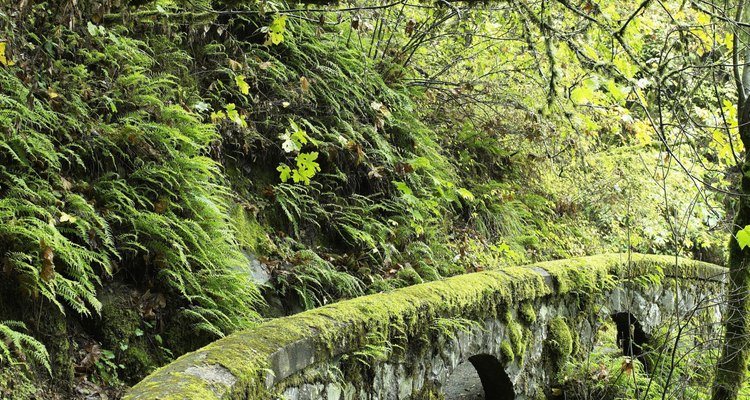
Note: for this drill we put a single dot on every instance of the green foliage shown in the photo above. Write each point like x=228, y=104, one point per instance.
x=743, y=237
x=275, y=31
x=151, y=147
x=105, y=172
x=606, y=373
x=316, y=282
x=17, y=347
x=506, y=350
x=377, y=348
x=449, y=327
x=559, y=342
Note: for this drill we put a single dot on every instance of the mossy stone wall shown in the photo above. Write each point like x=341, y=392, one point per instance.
x=406, y=342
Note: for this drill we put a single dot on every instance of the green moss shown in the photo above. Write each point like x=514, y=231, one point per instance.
x=120, y=322
x=119, y=318
x=517, y=340
x=539, y=395
x=427, y=271
x=138, y=361
x=559, y=342
x=16, y=384
x=506, y=350
x=400, y=315
x=250, y=234
x=527, y=313
x=54, y=326
x=409, y=276
x=507, y=317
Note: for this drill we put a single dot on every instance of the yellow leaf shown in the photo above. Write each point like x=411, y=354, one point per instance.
x=234, y=65
x=52, y=93
x=703, y=19
x=304, y=84
x=3, y=58
x=242, y=84
x=65, y=217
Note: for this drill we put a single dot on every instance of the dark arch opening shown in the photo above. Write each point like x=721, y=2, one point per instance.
x=631, y=337
x=495, y=381
x=486, y=380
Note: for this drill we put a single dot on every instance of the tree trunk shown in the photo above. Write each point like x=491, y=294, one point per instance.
x=732, y=367
x=730, y=373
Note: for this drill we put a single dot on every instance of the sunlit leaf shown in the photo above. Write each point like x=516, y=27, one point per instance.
x=275, y=33
x=3, y=58
x=244, y=86
x=743, y=237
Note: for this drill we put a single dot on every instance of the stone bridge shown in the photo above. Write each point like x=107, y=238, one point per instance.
x=507, y=330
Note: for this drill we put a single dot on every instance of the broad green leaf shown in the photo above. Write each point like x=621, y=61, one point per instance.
x=743, y=237
x=583, y=94
x=234, y=115
x=93, y=30
x=306, y=167
x=275, y=33
x=295, y=138
x=287, y=143
x=403, y=187
x=465, y=193
x=625, y=66
x=284, y=172
x=420, y=162
x=618, y=93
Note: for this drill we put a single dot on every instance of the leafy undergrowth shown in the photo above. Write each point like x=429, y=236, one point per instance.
x=143, y=150
x=605, y=373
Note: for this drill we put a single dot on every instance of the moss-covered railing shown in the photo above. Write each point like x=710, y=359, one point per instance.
x=248, y=364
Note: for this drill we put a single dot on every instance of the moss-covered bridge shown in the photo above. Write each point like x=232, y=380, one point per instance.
x=509, y=329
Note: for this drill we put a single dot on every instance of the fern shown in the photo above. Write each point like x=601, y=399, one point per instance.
x=18, y=347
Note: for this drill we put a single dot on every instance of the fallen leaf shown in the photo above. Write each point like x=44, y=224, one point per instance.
x=65, y=217
x=627, y=366
x=601, y=373
x=234, y=65
x=52, y=93
x=161, y=206
x=48, y=266
x=304, y=84
x=264, y=65
x=66, y=184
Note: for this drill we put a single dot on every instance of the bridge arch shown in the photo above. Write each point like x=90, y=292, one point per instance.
x=631, y=337
x=406, y=344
